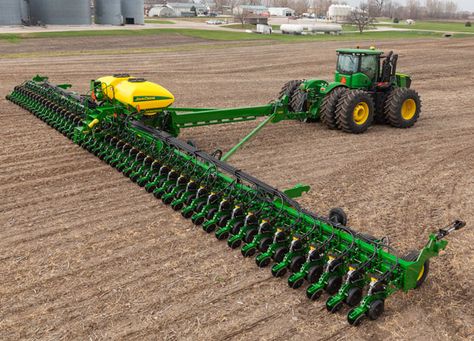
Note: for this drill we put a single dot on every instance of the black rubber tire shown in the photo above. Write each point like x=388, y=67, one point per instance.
x=235, y=244
x=279, y=273
x=314, y=273
x=187, y=214
x=393, y=107
x=199, y=206
x=335, y=308
x=379, y=114
x=354, y=296
x=236, y=227
x=376, y=309
x=262, y=263
x=413, y=256
x=211, y=213
x=249, y=252
x=299, y=101
x=345, y=111
x=209, y=228
x=280, y=254
x=223, y=220
x=198, y=221
x=249, y=235
x=178, y=206
x=264, y=243
x=289, y=87
x=296, y=284
x=296, y=263
x=329, y=107
x=190, y=198
x=222, y=236
x=314, y=296
x=334, y=283
x=338, y=216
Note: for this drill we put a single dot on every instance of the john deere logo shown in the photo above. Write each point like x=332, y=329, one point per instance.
x=149, y=98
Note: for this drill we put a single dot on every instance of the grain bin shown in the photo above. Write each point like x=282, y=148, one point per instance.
x=133, y=12
x=25, y=11
x=10, y=12
x=108, y=12
x=60, y=12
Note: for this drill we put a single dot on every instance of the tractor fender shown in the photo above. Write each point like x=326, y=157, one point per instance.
x=311, y=84
x=330, y=87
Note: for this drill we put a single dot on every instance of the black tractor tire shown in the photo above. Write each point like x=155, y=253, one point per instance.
x=249, y=235
x=314, y=273
x=402, y=108
x=354, y=296
x=264, y=244
x=280, y=254
x=329, y=107
x=338, y=216
x=413, y=256
x=346, y=110
x=296, y=263
x=334, y=284
x=380, y=100
x=299, y=101
x=289, y=87
x=376, y=309
x=296, y=284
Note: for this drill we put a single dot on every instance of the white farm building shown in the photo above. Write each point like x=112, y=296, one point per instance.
x=161, y=11
x=281, y=11
x=339, y=13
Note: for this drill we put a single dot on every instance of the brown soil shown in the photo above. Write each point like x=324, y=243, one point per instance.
x=85, y=253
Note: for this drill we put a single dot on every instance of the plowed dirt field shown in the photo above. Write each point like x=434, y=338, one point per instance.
x=87, y=254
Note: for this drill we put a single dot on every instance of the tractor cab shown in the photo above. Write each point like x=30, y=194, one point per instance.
x=358, y=68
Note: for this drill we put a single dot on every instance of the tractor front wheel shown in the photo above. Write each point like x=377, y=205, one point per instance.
x=288, y=89
x=355, y=112
x=299, y=102
x=402, y=107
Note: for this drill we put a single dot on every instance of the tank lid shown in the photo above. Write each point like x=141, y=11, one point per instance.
x=137, y=80
x=121, y=75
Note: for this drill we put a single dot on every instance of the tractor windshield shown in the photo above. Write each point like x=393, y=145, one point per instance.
x=370, y=65
x=348, y=63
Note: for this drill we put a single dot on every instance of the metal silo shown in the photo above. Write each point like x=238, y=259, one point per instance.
x=10, y=12
x=61, y=12
x=108, y=12
x=25, y=11
x=133, y=12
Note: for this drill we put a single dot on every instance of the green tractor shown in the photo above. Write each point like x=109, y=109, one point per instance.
x=366, y=88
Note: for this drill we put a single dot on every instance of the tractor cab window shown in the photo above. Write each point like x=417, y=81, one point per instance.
x=347, y=63
x=369, y=66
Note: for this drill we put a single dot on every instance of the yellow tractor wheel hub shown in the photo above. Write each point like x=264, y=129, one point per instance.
x=361, y=113
x=408, y=109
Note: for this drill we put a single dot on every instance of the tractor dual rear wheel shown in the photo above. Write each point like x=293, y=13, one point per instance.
x=402, y=107
x=355, y=112
x=329, y=107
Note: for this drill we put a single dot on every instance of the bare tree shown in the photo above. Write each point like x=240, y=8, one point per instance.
x=378, y=6
x=300, y=6
x=361, y=18
x=242, y=15
x=413, y=7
